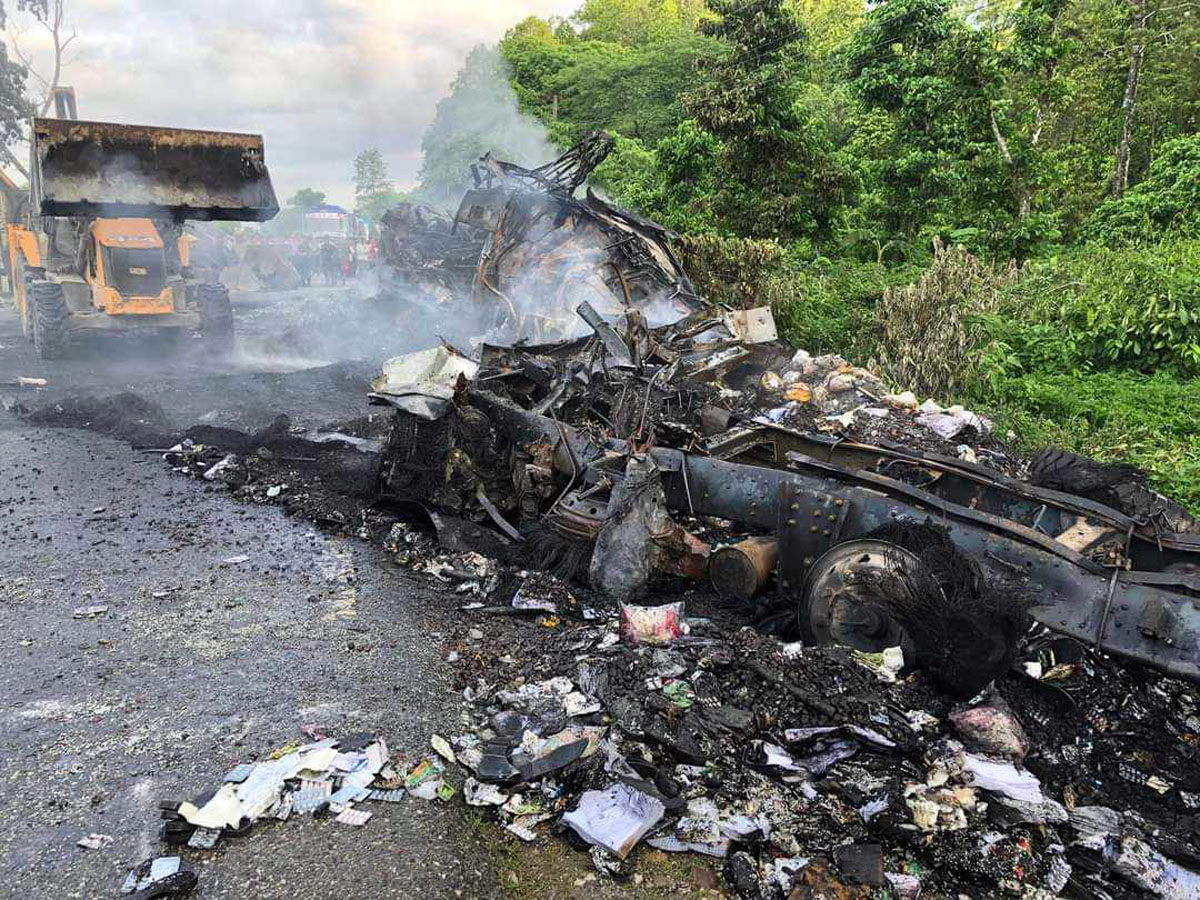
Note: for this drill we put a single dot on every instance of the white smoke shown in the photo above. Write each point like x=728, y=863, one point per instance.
x=481, y=114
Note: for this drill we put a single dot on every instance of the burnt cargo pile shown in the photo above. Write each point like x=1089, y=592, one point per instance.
x=924, y=599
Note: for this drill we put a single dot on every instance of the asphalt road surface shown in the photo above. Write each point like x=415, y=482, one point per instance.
x=198, y=663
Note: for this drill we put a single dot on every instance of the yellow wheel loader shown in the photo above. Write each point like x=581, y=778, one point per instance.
x=97, y=247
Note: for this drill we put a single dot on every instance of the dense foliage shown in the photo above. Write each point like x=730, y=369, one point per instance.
x=843, y=128
x=818, y=155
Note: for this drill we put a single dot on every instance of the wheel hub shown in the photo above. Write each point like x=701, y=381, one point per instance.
x=835, y=608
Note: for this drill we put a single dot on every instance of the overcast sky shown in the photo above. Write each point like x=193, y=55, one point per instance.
x=319, y=79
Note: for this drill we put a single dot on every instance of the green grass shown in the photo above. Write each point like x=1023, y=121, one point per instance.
x=1147, y=421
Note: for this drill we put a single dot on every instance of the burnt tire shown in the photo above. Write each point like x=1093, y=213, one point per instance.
x=51, y=320
x=216, y=317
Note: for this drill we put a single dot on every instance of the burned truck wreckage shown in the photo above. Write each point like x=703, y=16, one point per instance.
x=615, y=426
x=923, y=663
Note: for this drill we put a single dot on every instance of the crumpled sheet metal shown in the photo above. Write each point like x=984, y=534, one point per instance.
x=524, y=252
x=422, y=383
x=548, y=254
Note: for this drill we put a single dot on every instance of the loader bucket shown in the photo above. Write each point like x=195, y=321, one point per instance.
x=139, y=171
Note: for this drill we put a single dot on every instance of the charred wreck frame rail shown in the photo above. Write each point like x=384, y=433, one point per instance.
x=1152, y=617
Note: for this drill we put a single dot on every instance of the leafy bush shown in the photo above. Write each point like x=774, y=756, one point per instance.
x=1148, y=421
x=926, y=342
x=1138, y=307
x=829, y=305
x=672, y=184
x=1168, y=200
x=734, y=271
x=822, y=305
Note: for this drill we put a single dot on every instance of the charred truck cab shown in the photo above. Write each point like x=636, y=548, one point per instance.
x=98, y=247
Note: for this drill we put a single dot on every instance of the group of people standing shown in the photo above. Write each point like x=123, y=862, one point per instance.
x=334, y=264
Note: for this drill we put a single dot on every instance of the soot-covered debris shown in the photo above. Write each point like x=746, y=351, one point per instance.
x=802, y=764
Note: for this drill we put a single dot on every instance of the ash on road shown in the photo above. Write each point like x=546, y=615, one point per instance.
x=199, y=663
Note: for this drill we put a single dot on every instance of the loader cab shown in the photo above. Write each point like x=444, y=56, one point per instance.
x=127, y=268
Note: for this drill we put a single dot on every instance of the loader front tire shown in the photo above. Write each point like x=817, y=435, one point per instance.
x=216, y=317
x=29, y=275
x=51, y=319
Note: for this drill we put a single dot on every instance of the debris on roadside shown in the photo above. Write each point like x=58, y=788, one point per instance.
x=724, y=597
x=164, y=876
x=802, y=767
x=94, y=841
x=327, y=775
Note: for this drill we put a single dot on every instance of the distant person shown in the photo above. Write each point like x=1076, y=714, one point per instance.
x=330, y=267
x=353, y=262
x=305, y=261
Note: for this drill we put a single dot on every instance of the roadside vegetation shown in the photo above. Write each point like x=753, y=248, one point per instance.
x=995, y=202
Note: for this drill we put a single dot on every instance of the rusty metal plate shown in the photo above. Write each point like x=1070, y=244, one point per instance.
x=140, y=171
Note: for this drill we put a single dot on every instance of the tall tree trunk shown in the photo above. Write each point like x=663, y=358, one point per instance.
x=11, y=158
x=1137, y=52
x=1022, y=190
x=1024, y=202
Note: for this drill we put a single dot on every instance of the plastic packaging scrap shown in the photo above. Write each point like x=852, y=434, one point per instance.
x=354, y=817
x=476, y=793
x=1003, y=778
x=94, y=841
x=164, y=876
x=952, y=422
x=992, y=729
x=300, y=780
x=706, y=829
x=615, y=818
x=886, y=664
x=425, y=780
x=904, y=886
x=653, y=625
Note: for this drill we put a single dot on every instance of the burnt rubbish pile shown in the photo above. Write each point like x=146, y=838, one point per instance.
x=964, y=669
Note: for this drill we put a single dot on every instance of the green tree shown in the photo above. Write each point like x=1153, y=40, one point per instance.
x=15, y=105
x=306, y=198
x=674, y=183
x=1167, y=201
x=930, y=161
x=634, y=23
x=782, y=177
x=534, y=53
x=828, y=24
x=652, y=77
x=1026, y=86
x=480, y=114
x=1162, y=42
x=373, y=190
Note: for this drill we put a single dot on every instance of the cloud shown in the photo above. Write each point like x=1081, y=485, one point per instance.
x=319, y=79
